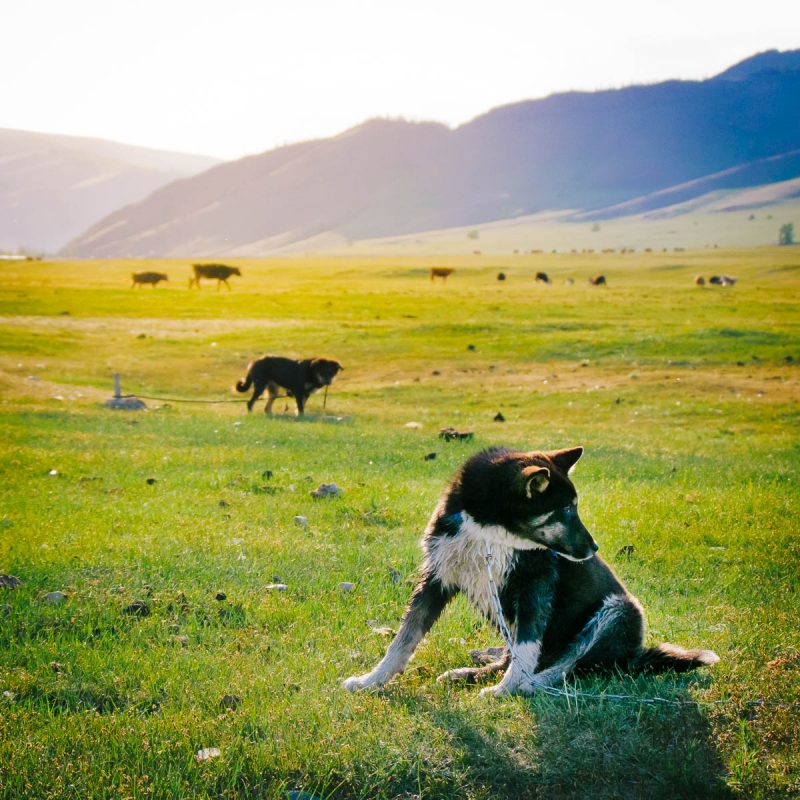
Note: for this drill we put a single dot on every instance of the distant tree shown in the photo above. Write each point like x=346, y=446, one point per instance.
x=786, y=234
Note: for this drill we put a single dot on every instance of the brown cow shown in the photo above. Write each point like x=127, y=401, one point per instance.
x=699, y=280
x=598, y=280
x=218, y=272
x=141, y=278
x=441, y=272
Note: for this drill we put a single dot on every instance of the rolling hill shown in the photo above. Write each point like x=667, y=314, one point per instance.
x=598, y=154
x=53, y=187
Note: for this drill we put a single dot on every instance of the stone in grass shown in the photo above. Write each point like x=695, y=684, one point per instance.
x=230, y=702
x=150, y=481
x=207, y=753
x=9, y=582
x=346, y=586
x=220, y=596
x=326, y=490
x=55, y=598
x=138, y=608
x=430, y=456
x=276, y=587
x=301, y=521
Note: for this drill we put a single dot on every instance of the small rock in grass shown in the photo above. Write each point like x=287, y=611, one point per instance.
x=414, y=426
x=220, y=596
x=53, y=472
x=498, y=417
x=301, y=521
x=627, y=550
x=207, y=753
x=346, y=586
x=138, y=608
x=9, y=582
x=276, y=587
x=151, y=481
x=430, y=456
x=450, y=434
x=55, y=598
x=326, y=490
x=230, y=702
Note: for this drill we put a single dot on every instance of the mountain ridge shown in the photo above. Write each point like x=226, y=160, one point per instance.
x=591, y=152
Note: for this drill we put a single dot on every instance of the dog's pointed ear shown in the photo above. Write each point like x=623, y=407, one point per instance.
x=537, y=479
x=566, y=459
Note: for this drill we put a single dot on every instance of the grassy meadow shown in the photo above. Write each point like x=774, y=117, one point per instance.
x=685, y=398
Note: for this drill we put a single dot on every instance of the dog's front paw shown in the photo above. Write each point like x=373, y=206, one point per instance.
x=356, y=683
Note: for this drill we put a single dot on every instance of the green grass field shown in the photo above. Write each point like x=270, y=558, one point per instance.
x=686, y=400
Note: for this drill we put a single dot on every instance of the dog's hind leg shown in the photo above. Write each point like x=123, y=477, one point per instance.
x=426, y=604
x=612, y=637
x=258, y=390
x=272, y=394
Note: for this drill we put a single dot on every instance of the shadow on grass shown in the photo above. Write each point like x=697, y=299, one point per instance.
x=542, y=747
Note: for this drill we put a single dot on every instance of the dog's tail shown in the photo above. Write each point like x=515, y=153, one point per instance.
x=668, y=657
x=246, y=382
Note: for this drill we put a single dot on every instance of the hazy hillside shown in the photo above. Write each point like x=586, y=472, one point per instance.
x=53, y=187
x=600, y=154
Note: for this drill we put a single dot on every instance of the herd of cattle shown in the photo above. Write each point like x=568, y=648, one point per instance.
x=221, y=272
x=214, y=272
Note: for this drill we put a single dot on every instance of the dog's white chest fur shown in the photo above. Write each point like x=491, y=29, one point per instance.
x=459, y=561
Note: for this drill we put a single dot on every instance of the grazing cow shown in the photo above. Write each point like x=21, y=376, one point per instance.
x=569, y=281
x=215, y=272
x=501, y=276
x=598, y=280
x=727, y=280
x=441, y=272
x=542, y=277
x=699, y=280
x=141, y=278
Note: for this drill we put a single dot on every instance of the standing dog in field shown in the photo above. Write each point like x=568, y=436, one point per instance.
x=566, y=608
x=153, y=278
x=298, y=378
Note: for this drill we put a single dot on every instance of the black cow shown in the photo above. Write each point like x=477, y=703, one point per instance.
x=218, y=272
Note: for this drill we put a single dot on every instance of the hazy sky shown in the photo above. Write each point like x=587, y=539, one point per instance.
x=242, y=76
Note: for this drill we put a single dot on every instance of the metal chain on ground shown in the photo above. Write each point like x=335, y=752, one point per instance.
x=575, y=694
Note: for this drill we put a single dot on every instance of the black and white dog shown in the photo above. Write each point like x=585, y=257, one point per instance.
x=564, y=606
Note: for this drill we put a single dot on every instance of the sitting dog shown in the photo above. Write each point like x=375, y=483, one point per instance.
x=298, y=378
x=566, y=608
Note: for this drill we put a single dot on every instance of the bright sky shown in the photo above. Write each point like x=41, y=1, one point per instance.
x=233, y=77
